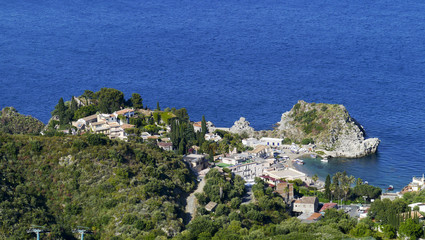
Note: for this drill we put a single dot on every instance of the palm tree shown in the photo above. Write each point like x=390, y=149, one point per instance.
x=348, y=180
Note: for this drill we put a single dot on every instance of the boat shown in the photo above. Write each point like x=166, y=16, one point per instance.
x=325, y=159
x=313, y=156
x=299, y=161
x=390, y=188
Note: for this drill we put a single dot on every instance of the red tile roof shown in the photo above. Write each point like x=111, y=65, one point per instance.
x=314, y=216
x=197, y=124
x=328, y=206
x=124, y=111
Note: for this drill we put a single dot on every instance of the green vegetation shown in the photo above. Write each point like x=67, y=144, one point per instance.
x=134, y=190
x=14, y=123
x=112, y=187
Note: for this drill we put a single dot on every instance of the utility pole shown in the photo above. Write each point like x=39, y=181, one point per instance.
x=37, y=230
x=82, y=230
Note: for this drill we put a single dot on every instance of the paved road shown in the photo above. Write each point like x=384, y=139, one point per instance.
x=191, y=200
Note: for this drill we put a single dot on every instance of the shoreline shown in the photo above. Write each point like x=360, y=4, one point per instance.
x=289, y=164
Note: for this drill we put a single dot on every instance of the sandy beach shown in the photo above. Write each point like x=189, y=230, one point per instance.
x=290, y=164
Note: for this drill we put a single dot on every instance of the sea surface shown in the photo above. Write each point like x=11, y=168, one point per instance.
x=227, y=59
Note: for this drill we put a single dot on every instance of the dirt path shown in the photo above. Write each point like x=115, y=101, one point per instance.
x=191, y=200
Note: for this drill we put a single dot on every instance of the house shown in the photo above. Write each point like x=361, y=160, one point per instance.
x=231, y=161
x=286, y=190
x=145, y=135
x=83, y=123
x=250, y=142
x=167, y=146
x=210, y=206
x=260, y=151
x=128, y=112
x=212, y=137
x=413, y=215
x=197, y=126
x=306, y=204
x=248, y=171
x=197, y=162
x=272, y=142
x=106, y=117
x=288, y=174
x=391, y=196
x=327, y=206
x=420, y=205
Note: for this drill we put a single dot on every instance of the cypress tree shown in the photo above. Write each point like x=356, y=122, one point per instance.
x=181, y=147
x=328, y=187
x=203, y=126
x=157, y=106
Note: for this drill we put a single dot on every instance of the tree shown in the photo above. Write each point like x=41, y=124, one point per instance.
x=315, y=178
x=85, y=111
x=110, y=100
x=203, y=126
x=328, y=187
x=359, y=181
x=74, y=106
x=157, y=106
x=411, y=229
x=136, y=101
x=389, y=231
x=60, y=111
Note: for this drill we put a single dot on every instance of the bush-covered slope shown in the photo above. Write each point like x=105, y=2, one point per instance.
x=14, y=123
x=119, y=190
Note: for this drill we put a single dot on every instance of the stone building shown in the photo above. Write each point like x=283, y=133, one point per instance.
x=306, y=204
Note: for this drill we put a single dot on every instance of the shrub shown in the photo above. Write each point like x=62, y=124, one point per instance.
x=307, y=141
x=97, y=139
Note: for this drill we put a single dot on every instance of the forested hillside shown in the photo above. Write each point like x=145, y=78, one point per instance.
x=119, y=190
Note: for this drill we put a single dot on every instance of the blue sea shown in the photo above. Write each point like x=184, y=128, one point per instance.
x=226, y=59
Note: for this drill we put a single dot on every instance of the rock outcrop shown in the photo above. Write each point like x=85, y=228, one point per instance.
x=242, y=126
x=330, y=126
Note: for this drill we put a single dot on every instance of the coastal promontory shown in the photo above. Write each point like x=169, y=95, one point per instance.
x=329, y=126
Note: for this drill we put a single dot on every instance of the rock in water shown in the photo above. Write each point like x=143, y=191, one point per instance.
x=242, y=126
x=330, y=126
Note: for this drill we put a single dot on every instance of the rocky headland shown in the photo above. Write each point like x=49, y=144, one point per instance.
x=331, y=128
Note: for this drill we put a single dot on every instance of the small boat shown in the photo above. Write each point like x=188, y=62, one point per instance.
x=313, y=156
x=299, y=162
x=390, y=188
x=325, y=159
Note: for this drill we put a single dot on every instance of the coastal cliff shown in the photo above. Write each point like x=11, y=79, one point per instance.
x=330, y=126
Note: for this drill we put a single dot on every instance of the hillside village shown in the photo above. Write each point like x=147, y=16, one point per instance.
x=266, y=158
x=241, y=175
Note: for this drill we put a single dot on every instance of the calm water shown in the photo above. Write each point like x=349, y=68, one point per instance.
x=231, y=59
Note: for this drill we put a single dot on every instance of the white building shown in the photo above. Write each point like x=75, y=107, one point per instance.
x=420, y=205
x=212, y=137
x=272, y=142
x=248, y=171
x=418, y=183
x=250, y=142
x=287, y=174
